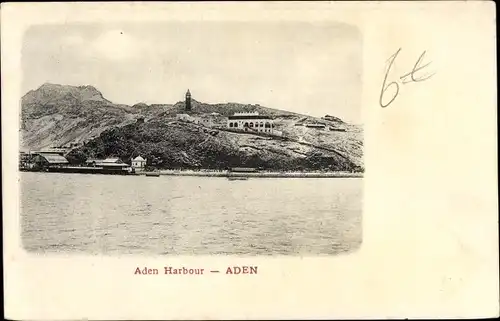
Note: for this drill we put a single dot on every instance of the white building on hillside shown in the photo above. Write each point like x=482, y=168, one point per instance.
x=251, y=122
x=187, y=118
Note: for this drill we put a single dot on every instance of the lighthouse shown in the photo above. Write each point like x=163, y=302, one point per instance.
x=188, y=101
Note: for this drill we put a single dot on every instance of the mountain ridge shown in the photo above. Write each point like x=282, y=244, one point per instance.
x=57, y=115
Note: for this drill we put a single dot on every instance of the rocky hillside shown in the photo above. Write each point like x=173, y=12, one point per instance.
x=56, y=115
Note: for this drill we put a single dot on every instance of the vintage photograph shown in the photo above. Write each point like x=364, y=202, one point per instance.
x=192, y=138
x=259, y=160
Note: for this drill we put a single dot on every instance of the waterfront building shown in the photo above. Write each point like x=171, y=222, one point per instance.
x=107, y=163
x=44, y=160
x=251, y=121
x=138, y=163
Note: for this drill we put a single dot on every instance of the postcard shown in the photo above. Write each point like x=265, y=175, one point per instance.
x=249, y=160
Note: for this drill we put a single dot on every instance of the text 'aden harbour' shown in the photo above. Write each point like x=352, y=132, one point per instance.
x=173, y=215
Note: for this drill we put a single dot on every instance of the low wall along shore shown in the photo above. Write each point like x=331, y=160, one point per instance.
x=255, y=174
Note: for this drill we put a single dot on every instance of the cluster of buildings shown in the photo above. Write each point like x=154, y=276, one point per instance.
x=251, y=122
x=33, y=160
x=244, y=121
x=50, y=159
x=136, y=164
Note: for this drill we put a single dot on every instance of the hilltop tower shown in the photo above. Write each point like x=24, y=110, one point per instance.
x=188, y=101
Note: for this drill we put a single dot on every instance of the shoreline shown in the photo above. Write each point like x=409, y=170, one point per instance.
x=253, y=174
x=191, y=173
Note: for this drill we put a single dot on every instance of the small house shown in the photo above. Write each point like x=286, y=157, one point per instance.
x=138, y=163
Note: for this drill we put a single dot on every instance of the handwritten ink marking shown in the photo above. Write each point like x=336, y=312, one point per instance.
x=415, y=69
x=384, y=87
x=404, y=79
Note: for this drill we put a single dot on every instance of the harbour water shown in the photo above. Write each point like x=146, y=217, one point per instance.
x=175, y=215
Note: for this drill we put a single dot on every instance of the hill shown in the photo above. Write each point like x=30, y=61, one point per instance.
x=55, y=115
x=59, y=115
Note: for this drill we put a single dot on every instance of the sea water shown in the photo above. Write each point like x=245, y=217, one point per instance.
x=177, y=215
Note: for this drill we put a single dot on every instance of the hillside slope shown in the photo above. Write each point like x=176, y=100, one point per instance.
x=174, y=144
x=56, y=115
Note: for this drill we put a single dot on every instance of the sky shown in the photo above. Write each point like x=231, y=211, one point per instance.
x=314, y=69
